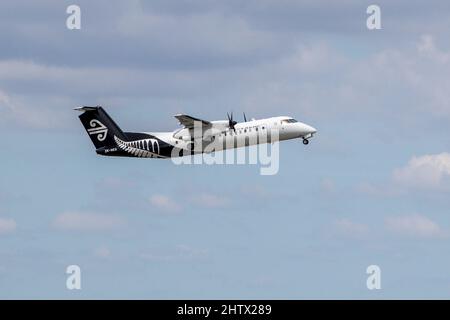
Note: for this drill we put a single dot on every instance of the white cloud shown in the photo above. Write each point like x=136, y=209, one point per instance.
x=427, y=171
x=308, y=72
x=34, y=117
x=414, y=225
x=422, y=73
x=427, y=48
x=350, y=228
x=7, y=226
x=254, y=191
x=315, y=58
x=211, y=34
x=116, y=183
x=78, y=221
x=327, y=185
x=424, y=172
x=102, y=252
x=46, y=80
x=379, y=190
x=164, y=203
x=209, y=200
x=180, y=252
x=368, y=188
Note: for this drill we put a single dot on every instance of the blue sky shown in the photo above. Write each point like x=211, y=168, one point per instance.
x=371, y=188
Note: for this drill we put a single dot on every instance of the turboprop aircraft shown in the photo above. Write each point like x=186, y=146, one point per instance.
x=193, y=137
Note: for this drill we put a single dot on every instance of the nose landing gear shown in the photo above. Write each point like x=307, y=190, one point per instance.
x=305, y=141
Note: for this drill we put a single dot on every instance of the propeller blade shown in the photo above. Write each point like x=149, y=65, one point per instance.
x=231, y=122
x=245, y=118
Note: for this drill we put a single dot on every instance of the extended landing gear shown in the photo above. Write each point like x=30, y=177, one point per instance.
x=305, y=141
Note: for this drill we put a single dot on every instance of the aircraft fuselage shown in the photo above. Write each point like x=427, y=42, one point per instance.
x=198, y=137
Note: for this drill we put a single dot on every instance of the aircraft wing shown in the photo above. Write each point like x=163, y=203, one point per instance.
x=189, y=121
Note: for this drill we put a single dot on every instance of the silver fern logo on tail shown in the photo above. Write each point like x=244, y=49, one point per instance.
x=99, y=129
x=144, y=148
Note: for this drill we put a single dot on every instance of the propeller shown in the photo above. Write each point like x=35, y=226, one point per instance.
x=245, y=118
x=231, y=123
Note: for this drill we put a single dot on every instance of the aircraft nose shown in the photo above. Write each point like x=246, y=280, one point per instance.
x=310, y=129
x=307, y=129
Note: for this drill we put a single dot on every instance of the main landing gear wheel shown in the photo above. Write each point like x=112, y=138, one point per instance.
x=305, y=141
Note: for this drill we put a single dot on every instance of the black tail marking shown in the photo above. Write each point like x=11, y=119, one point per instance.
x=100, y=127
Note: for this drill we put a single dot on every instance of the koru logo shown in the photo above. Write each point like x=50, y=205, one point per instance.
x=99, y=129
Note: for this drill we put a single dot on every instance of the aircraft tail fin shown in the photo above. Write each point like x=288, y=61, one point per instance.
x=100, y=127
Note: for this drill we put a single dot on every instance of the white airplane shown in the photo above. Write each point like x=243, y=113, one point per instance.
x=192, y=138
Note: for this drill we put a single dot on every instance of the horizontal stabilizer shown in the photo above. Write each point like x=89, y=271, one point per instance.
x=86, y=108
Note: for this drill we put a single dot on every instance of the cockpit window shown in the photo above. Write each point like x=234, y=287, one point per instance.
x=289, y=121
